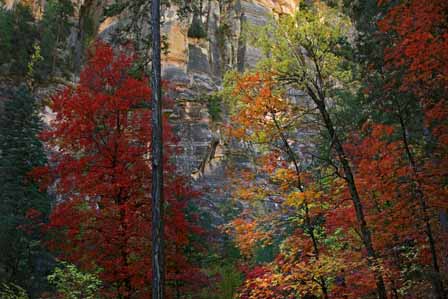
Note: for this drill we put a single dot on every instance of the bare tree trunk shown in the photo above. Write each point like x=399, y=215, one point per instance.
x=309, y=226
x=319, y=100
x=436, y=280
x=158, y=277
x=81, y=35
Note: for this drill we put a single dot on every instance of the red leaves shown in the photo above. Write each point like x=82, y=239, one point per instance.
x=33, y=214
x=386, y=183
x=419, y=32
x=101, y=169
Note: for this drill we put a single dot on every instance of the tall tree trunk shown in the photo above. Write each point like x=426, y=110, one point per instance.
x=81, y=36
x=309, y=226
x=126, y=284
x=319, y=100
x=120, y=201
x=158, y=277
x=418, y=193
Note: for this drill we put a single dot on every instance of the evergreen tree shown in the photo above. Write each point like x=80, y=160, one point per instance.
x=22, y=204
x=55, y=26
x=18, y=34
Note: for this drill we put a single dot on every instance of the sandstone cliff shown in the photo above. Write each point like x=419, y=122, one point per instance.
x=195, y=66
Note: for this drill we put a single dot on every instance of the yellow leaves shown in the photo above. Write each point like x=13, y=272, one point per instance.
x=292, y=277
x=266, y=283
x=250, y=193
x=339, y=187
x=297, y=198
x=286, y=178
x=248, y=189
x=258, y=102
x=263, y=283
x=284, y=174
x=248, y=235
x=304, y=275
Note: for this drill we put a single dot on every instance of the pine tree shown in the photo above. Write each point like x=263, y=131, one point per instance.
x=55, y=26
x=22, y=204
x=17, y=36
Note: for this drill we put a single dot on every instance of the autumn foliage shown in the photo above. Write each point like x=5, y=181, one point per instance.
x=420, y=43
x=322, y=255
x=334, y=146
x=100, y=166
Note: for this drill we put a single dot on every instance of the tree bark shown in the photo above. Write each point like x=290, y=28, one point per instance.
x=319, y=100
x=289, y=151
x=158, y=277
x=418, y=192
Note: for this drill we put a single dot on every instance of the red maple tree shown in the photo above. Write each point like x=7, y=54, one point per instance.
x=419, y=45
x=101, y=138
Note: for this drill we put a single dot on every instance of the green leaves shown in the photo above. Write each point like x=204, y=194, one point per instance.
x=71, y=283
x=55, y=26
x=312, y=42
x=214, y=106
x=197, y=29
x=32, y=47
x=12, y=291
x=18, y=32
x=20, y=151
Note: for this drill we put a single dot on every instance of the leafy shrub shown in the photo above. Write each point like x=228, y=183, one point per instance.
x=70, y=283
x=214, y=107
x=12, y=291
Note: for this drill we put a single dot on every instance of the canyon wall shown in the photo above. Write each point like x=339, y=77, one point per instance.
x=195, y=67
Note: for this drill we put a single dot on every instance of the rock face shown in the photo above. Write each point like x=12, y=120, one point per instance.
x=196, y=67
